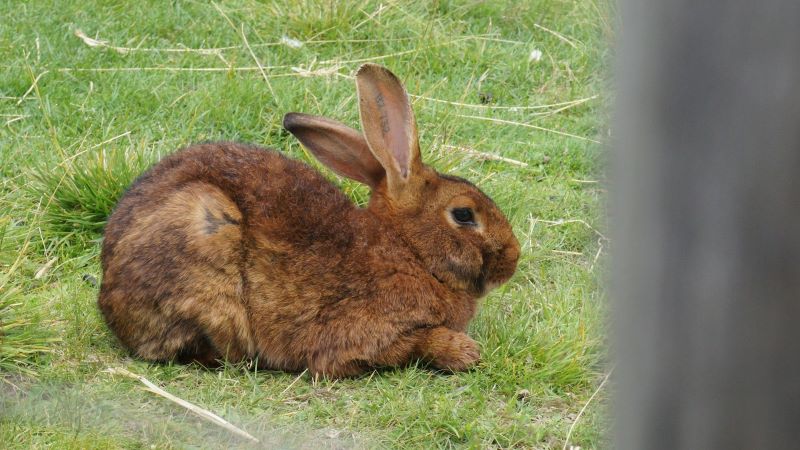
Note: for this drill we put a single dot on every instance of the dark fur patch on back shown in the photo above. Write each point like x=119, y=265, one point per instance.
x=213, y=223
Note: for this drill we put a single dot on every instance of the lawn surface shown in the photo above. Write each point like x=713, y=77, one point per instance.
x=508, y=94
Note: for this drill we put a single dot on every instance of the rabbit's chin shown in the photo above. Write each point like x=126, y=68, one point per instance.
x=480, y=286
x=487, y=283
x=489, y=286
x=473, y=279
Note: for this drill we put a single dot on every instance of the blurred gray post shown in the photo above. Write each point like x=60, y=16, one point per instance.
x=705, y=215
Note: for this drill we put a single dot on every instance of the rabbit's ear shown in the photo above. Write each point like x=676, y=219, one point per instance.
x=388, y=124
x=336, y=145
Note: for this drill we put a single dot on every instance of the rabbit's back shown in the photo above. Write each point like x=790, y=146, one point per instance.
x=175, y=248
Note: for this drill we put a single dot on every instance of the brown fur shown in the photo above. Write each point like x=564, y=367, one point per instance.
x=227, y=251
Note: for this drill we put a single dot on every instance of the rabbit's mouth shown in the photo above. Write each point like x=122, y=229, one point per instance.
x=499, y=267
x=488, y=283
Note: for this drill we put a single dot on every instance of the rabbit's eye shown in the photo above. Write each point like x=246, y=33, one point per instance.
x=463, y=216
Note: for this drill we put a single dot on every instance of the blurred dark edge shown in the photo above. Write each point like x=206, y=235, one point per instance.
x=705, y=217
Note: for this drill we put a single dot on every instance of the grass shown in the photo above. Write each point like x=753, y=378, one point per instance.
x=78, y=123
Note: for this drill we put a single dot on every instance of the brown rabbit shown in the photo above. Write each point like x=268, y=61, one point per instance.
x=227, y=251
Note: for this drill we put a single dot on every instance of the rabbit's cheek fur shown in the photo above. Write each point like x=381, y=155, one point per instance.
x=455, y=263
x=465, y=262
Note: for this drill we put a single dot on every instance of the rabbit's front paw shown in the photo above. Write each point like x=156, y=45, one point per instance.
x=454, y=351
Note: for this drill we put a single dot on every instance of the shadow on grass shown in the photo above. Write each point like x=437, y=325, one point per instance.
x=103, y=410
